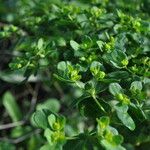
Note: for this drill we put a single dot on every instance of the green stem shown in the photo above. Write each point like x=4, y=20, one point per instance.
x=99, y=105
x=72, y=138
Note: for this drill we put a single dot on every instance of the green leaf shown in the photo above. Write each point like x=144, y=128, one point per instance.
x=124, y=116
x=39, y=118
x=119, y=75
x=117, y=58
x=48, y=147
x=96, y=67
x=6, y=146
x=17, y=76
x=103, y=122
x=61, y=121
x=74, y=45
x=51, y=104
x=100, y=44
x=117, y=139
x=51, y=120
x=61, y=42
x=12, y=77
x=62, y=66
x=40, y=43
x=109, y=146
x=63, y=79
x=48, y=134
x=113, y=130
x=136, y=85
x=12, y=107
x=115, y=88
x=108, y=80
x=17, y=131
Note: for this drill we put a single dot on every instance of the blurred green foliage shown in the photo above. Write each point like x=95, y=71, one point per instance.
x=85, y=66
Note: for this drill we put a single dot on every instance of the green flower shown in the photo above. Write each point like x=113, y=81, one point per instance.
x=123, y=98
x=125, y=62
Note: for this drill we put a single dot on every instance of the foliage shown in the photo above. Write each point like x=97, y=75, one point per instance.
x=92, y=56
